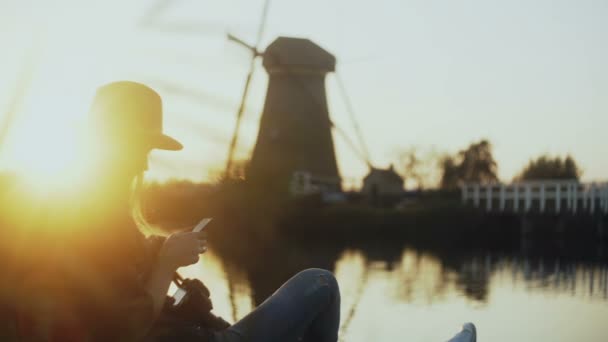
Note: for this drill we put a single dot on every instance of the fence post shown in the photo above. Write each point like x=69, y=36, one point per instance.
x=558, y=197
x=488, y=197
x=585, y=196
x=502, y=197
x=569, y=201
x=542, y=198
x=516, y=197
x=592, y=198
x=528, y=201
x=574, y=197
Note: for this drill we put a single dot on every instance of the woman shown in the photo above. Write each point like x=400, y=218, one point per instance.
x=105, y=281
x=109, y=283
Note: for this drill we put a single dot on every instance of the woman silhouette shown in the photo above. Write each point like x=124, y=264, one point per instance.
x=114, y=280
x=109, y=282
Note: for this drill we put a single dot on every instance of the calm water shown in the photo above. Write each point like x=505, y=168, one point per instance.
x=404, y=294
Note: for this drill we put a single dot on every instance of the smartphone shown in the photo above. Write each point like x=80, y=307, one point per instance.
x=202, y=224
x=178, y=296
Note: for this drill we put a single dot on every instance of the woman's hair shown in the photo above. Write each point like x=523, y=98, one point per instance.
x=137, y=211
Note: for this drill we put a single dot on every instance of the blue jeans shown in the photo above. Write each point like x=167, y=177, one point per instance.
x=305, y=308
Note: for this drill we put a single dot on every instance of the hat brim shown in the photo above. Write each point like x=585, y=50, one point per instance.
x=165, y=142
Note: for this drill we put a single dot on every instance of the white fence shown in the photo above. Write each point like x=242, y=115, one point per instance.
x=543, y=196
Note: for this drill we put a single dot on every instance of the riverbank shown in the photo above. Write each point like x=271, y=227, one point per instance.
x=247, y=220
x=245, y=216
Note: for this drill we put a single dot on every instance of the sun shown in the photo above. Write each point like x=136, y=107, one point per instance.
x=49, y=153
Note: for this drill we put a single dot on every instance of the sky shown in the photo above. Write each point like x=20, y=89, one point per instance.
x=530, y=76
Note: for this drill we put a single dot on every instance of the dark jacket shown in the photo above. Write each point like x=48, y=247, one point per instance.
x=90, y=287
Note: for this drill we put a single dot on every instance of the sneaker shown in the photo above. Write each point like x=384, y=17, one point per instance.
x=467, y=334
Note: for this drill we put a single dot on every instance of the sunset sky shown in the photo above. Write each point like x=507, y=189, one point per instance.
x=530, y=76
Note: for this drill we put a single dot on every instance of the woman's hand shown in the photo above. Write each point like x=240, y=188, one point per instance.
x=183, y=249
x=179, y=249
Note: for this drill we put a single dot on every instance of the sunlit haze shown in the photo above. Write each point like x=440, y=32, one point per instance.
x=530, y=76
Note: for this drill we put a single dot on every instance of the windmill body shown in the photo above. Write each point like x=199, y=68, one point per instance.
x=295, y=128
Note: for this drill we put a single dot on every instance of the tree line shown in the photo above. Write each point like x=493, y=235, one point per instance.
x=476, y=163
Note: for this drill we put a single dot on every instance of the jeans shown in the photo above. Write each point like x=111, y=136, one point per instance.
x=305, y=308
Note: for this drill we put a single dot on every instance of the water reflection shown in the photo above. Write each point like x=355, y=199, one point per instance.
x=392, y=292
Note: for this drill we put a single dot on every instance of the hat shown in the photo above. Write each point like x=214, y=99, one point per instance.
x=132, y=110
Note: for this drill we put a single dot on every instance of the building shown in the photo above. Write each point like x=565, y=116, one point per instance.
x=383, y=186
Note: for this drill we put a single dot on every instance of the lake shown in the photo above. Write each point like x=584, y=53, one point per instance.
x=392, y=292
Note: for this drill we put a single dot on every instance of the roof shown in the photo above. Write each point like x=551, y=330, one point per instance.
x=388, y=174
x=298, y=52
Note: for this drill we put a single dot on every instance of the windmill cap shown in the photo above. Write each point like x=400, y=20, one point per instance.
x=288, y=52
x=131, y=111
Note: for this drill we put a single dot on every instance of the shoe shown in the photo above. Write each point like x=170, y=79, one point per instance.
x=467, y=334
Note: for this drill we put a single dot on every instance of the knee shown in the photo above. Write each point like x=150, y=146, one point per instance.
x=321, y=279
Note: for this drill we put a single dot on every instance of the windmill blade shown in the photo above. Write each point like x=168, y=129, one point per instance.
x=241, y=42
x=203, y=131
x=203, y=97
x=239, y=114
x=350, y=143
x=209, y=133
x=155, y=11
x=262, y=27
x=351, y=113
x=187, y=60
x=152, y=19
x=363, y=281
x=195, y=29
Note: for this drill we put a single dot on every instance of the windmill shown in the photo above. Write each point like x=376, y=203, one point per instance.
x=254, y=54
x=294, y=144
x=268, y=157
x=303, y=93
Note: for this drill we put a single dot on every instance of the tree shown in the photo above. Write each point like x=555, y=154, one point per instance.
x=474, y=164
x=546, y=167
x=450, y=176
x=419, y=165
